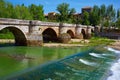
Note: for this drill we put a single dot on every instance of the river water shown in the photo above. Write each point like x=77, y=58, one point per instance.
x=59, y=63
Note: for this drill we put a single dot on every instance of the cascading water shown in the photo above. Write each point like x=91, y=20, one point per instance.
x=97, y=55
x=88, y=63
x=57, y=64
x=115, y=67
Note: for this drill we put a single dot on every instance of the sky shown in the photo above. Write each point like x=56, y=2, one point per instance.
x=51, y=5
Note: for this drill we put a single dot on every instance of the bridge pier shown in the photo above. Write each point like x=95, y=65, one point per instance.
x=34, y=37
x=88, y=32
x=35, y=40
x=62, y=28
x=78, y=33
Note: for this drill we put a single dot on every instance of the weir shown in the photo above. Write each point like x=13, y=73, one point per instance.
x=79, y=66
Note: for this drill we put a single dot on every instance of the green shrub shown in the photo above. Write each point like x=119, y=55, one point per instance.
x=94, y=41
x=64, y=38
x=6, y=35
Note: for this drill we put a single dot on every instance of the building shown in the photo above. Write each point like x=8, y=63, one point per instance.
x=87, y=9
x=52, y=16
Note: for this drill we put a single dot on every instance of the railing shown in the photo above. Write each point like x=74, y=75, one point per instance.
x=8, y=21
x=5, y=21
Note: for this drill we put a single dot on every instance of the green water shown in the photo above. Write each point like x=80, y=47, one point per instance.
x=14, y=59
x=62, y=63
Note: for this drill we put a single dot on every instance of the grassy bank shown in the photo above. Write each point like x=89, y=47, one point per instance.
x=95, y=41
x=8, y=35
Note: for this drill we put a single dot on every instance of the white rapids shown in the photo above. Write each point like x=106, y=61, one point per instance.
x=115, y=67
x=87, y=62
x=113, y=50
x=96, y=55
x=115, y=71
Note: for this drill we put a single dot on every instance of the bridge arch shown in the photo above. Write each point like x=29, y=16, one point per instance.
x=70, y=32
x=92, y=30
x=49, y=35
x=83, y=33
x=20, y=38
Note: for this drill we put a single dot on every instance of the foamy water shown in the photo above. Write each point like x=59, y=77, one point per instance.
x=115, y=67
x=113, y=50
x=96, y=55
x=87, y=62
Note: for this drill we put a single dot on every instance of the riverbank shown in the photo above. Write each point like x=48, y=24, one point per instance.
x=61, y=45
x=77, y=43
x=73, y=42
x=7, y=41
x=115, y=45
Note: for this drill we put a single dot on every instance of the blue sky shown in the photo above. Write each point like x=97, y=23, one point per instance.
x=50, y=5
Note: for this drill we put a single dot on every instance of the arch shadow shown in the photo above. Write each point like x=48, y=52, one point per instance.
x=92, y=30
x=83, y=33
x=49, y=35
x=20, y=39
x=70, y=32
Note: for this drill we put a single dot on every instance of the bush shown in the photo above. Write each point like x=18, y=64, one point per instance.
x=64, y=38
x=6, y=36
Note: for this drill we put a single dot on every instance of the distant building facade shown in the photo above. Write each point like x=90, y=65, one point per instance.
x=52, y=16
x=87, y=9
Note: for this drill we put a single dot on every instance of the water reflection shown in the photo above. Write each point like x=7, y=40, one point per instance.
x=17, y=59
x=81, y=66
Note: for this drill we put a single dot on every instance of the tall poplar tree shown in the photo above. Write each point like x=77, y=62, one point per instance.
x=65, y=13
x=37, y=12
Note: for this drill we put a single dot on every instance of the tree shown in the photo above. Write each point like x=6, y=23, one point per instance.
x=95, y=16
x=118, y=19
x=85, y=18
x=77, y=19
x=102, y=11
x=9, y=11
x=96, y=10
x=94, y=19
x=102, y=15
x=118, y=23
x=22, y=12
x=37, y=12
x=2, y=8
x=65, y=12
x=118, y=13
x=110, y=14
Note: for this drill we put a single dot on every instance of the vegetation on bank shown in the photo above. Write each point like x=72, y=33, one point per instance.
x=95, y=41
x=32, y=12
x=6, y=34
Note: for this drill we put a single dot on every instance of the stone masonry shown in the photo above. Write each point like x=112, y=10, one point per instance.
x=30, y=32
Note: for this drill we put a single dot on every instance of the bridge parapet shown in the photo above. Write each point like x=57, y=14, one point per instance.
x=5, y=21
x=53, y=24
x=68, y=25
x=83, y=26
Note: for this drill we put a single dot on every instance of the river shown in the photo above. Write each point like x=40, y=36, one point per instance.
x=58, y=63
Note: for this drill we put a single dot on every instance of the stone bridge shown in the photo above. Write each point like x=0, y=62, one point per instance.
x=34, y=33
